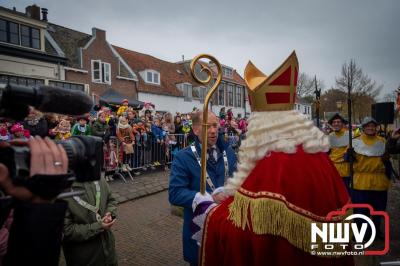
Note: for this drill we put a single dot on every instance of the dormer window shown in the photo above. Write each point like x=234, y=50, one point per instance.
x=30, y=37
x=228, y=72
x=153, y=77
x=18, y=34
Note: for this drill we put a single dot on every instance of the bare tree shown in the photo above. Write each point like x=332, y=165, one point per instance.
x=363, y=90
x=361, y=84
x=306, y=85
x=390, y=96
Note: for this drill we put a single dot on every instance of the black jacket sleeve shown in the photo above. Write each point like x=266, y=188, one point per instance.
x=35, y=234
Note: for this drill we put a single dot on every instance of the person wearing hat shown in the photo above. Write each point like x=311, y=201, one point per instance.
x=18, y=132
x=338, y=142
x=371, y=177
x=81, y=128
x=284, y=183
x=123, y=108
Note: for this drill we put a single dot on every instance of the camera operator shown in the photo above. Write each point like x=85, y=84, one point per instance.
x=36, y=231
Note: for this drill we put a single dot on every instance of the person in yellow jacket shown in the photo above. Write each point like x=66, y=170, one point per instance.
x=371, y=177
x=339, y=141
x=123, y=108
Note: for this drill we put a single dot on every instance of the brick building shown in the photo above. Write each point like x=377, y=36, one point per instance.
x=167, y=85
x=93, y=61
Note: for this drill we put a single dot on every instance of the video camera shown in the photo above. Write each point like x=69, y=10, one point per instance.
x=85, y=153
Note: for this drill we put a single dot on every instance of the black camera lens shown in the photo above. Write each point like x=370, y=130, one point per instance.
x=85, y=156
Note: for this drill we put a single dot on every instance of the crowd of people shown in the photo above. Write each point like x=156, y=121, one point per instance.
x=134, y=139
x=128, y=134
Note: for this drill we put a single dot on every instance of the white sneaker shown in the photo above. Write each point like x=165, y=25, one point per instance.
x=128, y=167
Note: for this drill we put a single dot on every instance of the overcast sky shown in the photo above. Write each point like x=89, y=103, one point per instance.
x=324, y=33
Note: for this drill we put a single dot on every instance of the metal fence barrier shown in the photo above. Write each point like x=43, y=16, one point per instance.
x=148, y=152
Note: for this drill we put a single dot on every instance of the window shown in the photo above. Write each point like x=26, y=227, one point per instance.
x=238, y=97
x=152, y=76
x=3, y=30
x=67, y=85
x=20, y=80
x=25, y=41
x=221, y=94
x=187, y=92
x=230, y=94
x=9, y=32
x=227, y=72
x=23, y=35
x=101, y=72
x=155, y=78
x=149, y=77
x=106, y=69
x=14, y=33
x=30, y=37
x=35, y=38
x=96, y=71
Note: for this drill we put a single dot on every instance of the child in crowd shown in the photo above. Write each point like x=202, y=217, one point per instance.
x=4, y=134
x=127, y=139
x=62, y=131
x=18, y=132
x=81, y=128
x=139, y=131
x=100, y=128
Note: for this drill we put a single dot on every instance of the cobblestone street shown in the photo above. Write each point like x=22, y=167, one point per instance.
x=147, y=233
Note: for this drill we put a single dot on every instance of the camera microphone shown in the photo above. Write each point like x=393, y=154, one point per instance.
x=15, y=98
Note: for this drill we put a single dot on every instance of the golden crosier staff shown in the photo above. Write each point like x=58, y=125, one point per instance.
x=205, y=108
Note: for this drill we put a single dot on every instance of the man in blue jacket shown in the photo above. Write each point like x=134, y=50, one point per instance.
x=185, y=176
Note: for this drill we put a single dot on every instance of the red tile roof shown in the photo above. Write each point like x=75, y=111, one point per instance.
x=171, y=74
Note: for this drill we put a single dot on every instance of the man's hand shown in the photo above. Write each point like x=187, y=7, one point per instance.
x=219, y=197
x=107, y=217
x=105, y=224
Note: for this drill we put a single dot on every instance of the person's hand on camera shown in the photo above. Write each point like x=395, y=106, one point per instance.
x=47, y=158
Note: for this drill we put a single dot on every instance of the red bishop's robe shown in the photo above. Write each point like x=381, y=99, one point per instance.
x=268, y=220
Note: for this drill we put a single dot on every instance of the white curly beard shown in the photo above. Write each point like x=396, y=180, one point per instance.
x=279, y=131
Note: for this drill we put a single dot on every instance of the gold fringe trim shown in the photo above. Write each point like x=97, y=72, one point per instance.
x=272, y=216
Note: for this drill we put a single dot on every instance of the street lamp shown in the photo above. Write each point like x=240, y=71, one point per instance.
x=317, y=93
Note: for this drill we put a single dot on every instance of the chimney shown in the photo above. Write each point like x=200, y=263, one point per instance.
x=183, y=58
x=33, y=11
x=99, y=34
x=44, y=14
